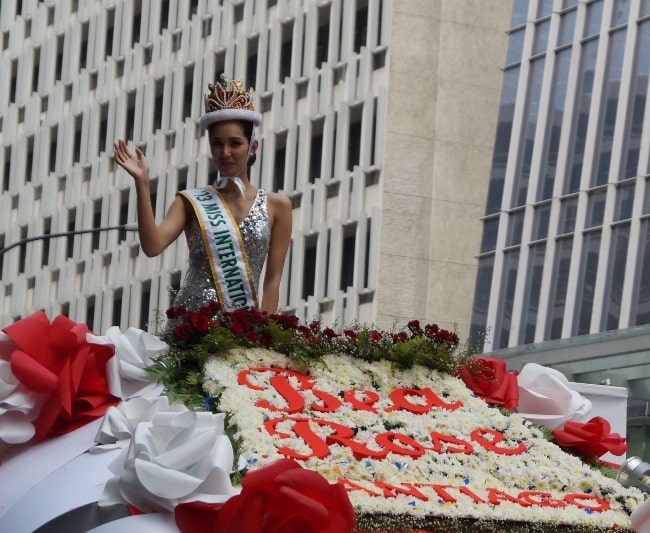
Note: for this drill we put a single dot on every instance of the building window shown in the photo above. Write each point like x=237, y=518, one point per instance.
x=586, y=283
x=559, y=284
x=130, y=115
x=638, y=99
x=137, y=23
x=29, y=159
x=188, y=91
x=489, y=239
x=145, y=300
x=164, y=15
x=641, y=304
x=515, y=227
x=69, y=245
x=117, y=307
x=83, y=46
x=97, y=223
x=596, y=207
x=54, y=131
x=528, y=325
x=35, y=68
x=286, y=51
x=609, y=105
x=14, y=81
x=59, y=58
x=90, y=312
x=481, y=301
x=354, y=136
x=76, y=154
x=347, y=256
x=316, y=150
x=506, y=298
x=158, y=104
x=110, y=30
x=323, y=36
x=251, y=61
x=279, y=161
x=576, y=152
x=361, y=25
x=615, y=277
x=309, y=266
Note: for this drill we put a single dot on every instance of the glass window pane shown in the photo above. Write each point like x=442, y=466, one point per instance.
x=540, y=221
x=544, y=8
x=567, y=27
x=515, y=227
x=520, y=189
x=641, y=304
x=515, y=46
x=581, y=119
x=624, y=201
x=586, y=283
x=596, y=208
x=548, y=171
x=621, y=12
x=519, y=13
x=541, y=36
x=615, y=277
x=646, y=198
x=568, y=210
x=609, y=105
x=533, y=286
x=559, y=283
x=502, y=141
x=638, y=98
x=481, y=299
x=506, y=299
x=594, y=18
x=490, y=229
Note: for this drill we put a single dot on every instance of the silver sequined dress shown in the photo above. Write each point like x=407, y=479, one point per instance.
x=198, y=287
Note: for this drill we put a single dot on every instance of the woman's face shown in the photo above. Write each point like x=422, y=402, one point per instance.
x=229, y=147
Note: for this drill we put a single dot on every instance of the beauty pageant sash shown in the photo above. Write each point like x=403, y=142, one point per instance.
x=225, y=249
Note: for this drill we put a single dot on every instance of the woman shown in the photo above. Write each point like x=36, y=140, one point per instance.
x=232, y=228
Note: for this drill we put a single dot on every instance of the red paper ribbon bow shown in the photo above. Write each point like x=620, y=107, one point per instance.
x=492, y=382
x=591, y=438
x=56, y=361
x=281, y=497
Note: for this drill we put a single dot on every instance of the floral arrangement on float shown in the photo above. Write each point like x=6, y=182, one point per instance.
x=352, y=430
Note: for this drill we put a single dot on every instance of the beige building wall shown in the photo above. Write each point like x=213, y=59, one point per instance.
x=445, y=81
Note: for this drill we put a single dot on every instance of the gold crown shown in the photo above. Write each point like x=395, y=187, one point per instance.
x=228, y=94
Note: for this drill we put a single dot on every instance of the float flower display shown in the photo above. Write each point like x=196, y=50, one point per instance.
x=388, y=417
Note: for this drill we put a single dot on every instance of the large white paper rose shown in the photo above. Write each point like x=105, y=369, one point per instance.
x=175, y=458
x=119, y=423
x=134, y=351
x=19, y=407
x=545, y=397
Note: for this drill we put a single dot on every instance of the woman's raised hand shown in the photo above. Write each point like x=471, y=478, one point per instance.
x=135, y=164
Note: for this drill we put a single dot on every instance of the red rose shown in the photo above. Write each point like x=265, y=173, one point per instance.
x=375, y=336
x=182, y=332
x=281, y=497
x=252, y=336
x=236, y=328
x=492, y=382
x=200, y=323
x=591, y=438
x=56, y=361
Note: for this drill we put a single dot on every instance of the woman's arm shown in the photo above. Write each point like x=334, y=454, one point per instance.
x=281, y=220
x=153, y=238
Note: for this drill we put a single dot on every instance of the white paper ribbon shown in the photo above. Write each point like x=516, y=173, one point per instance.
x=175, y=458
x=19, y=406
x=545, y=397
x=222, y=181
x=134, y=350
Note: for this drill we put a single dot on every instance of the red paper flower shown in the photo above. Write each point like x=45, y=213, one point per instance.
x=281, y=497
x=492, y=382
x=591, y=438
x=55, y=360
